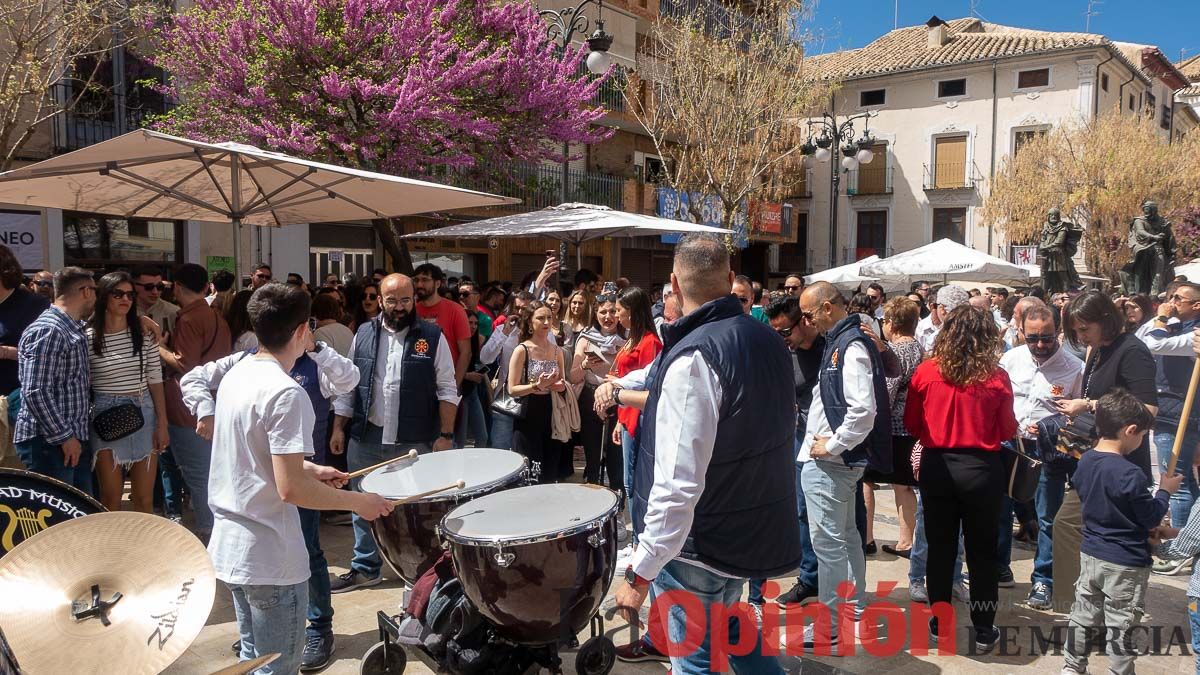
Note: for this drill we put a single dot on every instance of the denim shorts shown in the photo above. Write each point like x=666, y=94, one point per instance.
x=134, y=447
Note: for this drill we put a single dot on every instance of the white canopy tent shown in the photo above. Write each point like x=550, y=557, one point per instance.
x=1190, y=270
x=146, y=174
x=846, y=277
x=945, y=261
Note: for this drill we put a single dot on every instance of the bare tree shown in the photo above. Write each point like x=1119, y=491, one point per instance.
x=723, y=89
x=52, y=56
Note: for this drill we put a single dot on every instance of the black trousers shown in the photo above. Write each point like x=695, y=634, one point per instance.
x=963, y=487
x=597, y=443
x=532, y=437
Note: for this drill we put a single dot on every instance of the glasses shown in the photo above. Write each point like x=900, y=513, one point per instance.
x=150, y=288
x=791, y=289
x=611, y=297
x=121, y=295
x=744, y=301
x=787, y=332
x=260, y=275
x=1180, y=298
x=392, y=302
x=370, y=296
x=1038, y=339
x=43, y=284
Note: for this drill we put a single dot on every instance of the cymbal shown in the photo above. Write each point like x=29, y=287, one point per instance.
x=157, y=572
x=247, y=666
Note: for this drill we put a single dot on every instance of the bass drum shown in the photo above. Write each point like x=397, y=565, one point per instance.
x=407, y=538
x=537, y=561
x=31, y=502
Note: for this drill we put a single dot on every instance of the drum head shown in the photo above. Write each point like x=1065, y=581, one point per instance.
x=529, y=512
x=479, y=468
x=30, y=503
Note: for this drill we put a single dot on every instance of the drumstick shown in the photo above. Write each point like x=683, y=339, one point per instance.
x=412, y=454
x=458, y=485
x=1184, y=417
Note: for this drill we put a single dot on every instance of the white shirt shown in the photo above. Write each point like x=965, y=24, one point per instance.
x=685, y=431
x=1034, y=385
x=256, y=537
x=926, y=332
x=859, y=390
x=500, y=346
x=389, y=364
x=1164, y=344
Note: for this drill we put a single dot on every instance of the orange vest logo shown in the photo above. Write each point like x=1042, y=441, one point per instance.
x=421, y=346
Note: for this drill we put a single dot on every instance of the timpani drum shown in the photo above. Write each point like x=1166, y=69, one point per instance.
x=536, y=561
x=407, y=538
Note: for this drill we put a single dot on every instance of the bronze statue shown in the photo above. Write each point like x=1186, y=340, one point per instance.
x=1153, y=245
x=1056, y=250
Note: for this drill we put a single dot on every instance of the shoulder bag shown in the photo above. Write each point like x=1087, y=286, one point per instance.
x=125, y=419
x=506, y=404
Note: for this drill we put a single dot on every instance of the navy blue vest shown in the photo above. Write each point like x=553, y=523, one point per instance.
x=306, y=373
x=876, y=451
x=1172, y=379
x=419, y=417
x=745, y=520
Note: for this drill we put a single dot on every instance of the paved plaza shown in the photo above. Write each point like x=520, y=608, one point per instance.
x=355, y=624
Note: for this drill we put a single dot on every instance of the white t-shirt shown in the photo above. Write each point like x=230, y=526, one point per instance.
x=256, y=537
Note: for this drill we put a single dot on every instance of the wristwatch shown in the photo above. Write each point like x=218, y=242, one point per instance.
x=633, y=579
x=448, y=435
x=617, y=396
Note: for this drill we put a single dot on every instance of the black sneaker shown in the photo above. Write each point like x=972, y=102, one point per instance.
x=1005, y=579
x=986, y=639
x=1040, y=596
x=639, y=651
x=796, y=596
x=237, y=648
x=318, y=652
x=352, y=580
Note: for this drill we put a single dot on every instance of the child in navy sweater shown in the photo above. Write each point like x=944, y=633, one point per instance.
x=1118, y=515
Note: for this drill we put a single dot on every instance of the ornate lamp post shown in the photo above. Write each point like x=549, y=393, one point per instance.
x=836, y=142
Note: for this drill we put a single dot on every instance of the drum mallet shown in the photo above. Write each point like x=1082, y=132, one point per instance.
x=417, y=497
x=1184, y=416
x=412, y=454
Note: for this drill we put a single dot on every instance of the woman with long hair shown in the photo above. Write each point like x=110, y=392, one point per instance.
x=126, y=370
x=558, y=313
x=595, y=353
x=471, y=420
x=238, y=318
x=960, y=408
x=367, y=307
x=536, y=369
x=641, y=348
x=1139, y=314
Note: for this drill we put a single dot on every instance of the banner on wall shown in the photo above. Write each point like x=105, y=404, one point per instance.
x=767, y=217
x=676, y=205
x=21, y=232
x=217, y=263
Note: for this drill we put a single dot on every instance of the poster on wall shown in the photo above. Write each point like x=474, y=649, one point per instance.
x=676, y=205
x=21, y=232
x=217, y=263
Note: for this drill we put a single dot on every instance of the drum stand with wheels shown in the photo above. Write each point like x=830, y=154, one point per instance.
x=596, y=656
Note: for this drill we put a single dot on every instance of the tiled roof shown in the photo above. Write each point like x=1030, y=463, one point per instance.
x=969, y=40
x=1190, y=67
x=1193, y=90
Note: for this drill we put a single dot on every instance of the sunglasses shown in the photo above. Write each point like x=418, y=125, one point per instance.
x=150, y=288
x=370, y=296
x=260, y=275
x=787, y=332
x=1037, y=339
x=612, y=297
x=1180, y=298
x=44, y=284
x=121, y=295
x=789, y=289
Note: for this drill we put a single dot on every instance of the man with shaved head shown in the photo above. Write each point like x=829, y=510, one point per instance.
x=406, y=398
x=849, y=429
x=714, y=493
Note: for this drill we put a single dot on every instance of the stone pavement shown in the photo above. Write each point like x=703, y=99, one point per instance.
x=354, y=623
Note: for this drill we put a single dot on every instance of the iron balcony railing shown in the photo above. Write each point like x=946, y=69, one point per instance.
x=869, y=180
x=100, y=115
x=538, y=185
x=950, y=176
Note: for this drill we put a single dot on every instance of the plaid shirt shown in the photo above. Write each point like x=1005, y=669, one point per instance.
x=55, y=379
x=1186, y=545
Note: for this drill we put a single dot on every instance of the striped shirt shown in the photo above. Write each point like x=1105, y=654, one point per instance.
x=55, y=379
x=120, y=370
x=1186, y=545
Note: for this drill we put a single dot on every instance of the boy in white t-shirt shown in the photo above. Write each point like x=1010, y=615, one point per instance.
x=262, y=433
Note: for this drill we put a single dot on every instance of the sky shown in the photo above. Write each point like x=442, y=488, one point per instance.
x=1171, y=25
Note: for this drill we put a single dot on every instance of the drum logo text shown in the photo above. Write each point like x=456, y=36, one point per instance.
x=166, y=620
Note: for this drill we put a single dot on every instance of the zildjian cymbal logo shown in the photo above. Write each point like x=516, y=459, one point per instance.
x=167, y=620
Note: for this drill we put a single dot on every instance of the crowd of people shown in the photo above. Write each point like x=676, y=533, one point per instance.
x=748, y=430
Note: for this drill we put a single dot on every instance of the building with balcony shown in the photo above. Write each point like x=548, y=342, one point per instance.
x=951, y=100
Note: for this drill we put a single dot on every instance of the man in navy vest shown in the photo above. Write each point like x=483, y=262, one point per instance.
x=324, y=374
x=849, y=428
x=1171, y=343
x=407, y=397
x=714, y=494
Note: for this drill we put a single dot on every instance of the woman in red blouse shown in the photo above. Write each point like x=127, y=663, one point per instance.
x=643, y=345
x=960, y=407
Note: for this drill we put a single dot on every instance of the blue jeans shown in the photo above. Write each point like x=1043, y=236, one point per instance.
x=320, y=606
x=46, y=458
x=829, y=487
x=1194, y=621
x=920, y=550
x=629, y=454
x=471, y=423
x=1004, y=543
x=1052, y=485
x=193, y=456
x=271, y=620
x=501, y=436
x=171, y=483
x=1186, y=495
x=361, y=454
x=808, y=558
x=709, y=589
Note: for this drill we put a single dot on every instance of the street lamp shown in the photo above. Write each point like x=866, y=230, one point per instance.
x=837, y=141
x=562, y=25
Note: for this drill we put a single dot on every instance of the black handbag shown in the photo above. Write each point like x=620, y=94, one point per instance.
x=121, y=420
x=507, y=404
x=1021, y=471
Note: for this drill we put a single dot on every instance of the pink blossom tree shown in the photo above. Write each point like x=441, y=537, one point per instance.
x=408, y=87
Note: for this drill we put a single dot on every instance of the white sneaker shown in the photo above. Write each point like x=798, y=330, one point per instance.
x=758, y=614
x=917, y=591
x=961, y=593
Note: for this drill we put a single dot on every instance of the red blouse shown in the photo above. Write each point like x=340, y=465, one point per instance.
x=942, y=415
x=627, y=361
